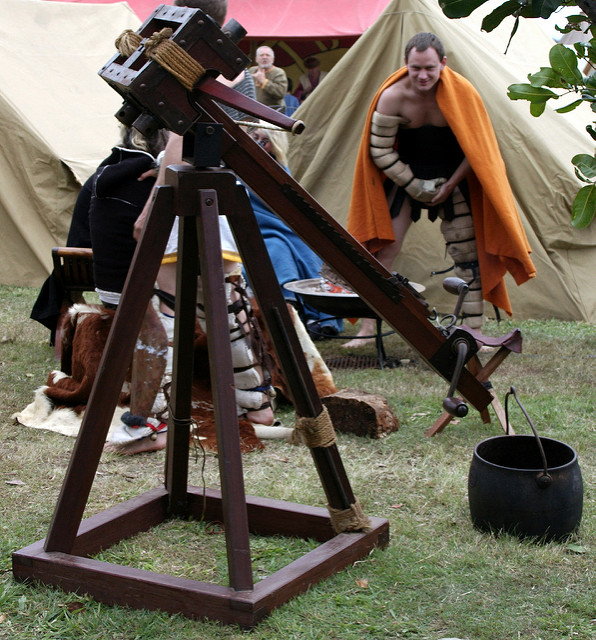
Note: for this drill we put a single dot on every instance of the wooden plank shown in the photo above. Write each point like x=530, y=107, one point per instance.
x=140, y=589
x=136, y=588
x=267, y=516
x=322, y=562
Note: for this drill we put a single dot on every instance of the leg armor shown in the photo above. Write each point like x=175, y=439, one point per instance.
x=252, y=380
x=460, y=242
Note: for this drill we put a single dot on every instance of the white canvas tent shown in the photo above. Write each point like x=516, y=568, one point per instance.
x=56, y=121
x=537, y=152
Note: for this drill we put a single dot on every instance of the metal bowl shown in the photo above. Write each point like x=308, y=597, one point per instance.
x=339, y=305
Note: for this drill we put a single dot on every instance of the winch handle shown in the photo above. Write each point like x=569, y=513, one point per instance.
x=545, y=479
x=452, y=405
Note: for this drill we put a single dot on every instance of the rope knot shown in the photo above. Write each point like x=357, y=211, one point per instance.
x=128, y=42
x=156, y=39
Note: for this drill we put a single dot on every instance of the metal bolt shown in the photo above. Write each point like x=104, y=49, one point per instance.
x=209, y=201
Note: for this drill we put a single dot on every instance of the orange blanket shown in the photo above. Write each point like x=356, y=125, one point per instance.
x=500, y=238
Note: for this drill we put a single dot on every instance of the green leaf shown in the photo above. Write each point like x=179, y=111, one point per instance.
x=531, y=9
x=494, y=19
x=576, y=18
x=546, y=77
x=581, y=178
x=459, y=8
x=528, y=92
x=564, y=62
x=586, y=164
x=570, y=107
x=584, y=207
x=580, y=49
x=548, y=7
x=537, y=108
x=590, y=130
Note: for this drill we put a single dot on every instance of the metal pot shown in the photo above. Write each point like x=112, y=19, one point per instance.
x=528, y=486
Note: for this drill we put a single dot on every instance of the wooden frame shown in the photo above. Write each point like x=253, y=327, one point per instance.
x=141, y=589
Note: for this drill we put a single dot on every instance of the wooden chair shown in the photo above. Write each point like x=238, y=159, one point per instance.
x=73, y=271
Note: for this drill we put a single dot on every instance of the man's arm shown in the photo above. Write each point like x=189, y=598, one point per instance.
x=384, y=127
x=172, y=155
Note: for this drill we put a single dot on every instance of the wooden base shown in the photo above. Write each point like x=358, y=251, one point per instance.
x=140, y=589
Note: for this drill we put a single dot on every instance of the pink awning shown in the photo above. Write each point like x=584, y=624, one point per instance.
x=285, y=19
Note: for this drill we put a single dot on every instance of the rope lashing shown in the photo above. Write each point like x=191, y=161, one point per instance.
x=316, y=432
x=351, y=519
x=128, y=42
x=167, y=53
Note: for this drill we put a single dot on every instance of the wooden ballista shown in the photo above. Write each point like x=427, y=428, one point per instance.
x=156, y=96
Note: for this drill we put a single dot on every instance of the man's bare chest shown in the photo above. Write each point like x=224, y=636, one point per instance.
x=420, y=114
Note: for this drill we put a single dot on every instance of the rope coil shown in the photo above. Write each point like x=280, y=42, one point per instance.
x=167, y=53
x=317, y=432
x=128, y=42
x=351, y=519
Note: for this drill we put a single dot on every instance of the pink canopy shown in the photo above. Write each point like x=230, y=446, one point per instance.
x=284, y=19
x=333, y=23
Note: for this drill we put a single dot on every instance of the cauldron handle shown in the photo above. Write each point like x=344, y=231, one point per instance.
x=545, y=479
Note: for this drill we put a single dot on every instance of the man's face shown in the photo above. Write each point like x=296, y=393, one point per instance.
x=264, y=57
x=424, y=68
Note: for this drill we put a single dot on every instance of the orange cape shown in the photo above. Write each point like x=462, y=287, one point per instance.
x=500, y=238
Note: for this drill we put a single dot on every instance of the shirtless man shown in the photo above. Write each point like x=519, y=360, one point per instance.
x=427, y=167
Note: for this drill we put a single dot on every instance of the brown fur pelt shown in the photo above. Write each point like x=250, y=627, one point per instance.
x=85, y=338
x=83, y=342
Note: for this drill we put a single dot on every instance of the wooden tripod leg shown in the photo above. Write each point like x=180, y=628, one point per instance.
x=222, y=384
x=179, y=421
x=114, y=364
x=287, y=346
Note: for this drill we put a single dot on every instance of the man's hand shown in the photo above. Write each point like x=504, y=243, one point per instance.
x=424, y=190
x=259, y=77
x=444, y=192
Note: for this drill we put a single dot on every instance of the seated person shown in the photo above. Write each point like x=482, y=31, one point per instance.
x=292, y=258
x=119, y=189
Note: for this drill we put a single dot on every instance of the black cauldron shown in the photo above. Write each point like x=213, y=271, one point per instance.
x=525, y=485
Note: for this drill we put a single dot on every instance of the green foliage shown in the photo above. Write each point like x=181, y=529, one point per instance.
x=562, y=78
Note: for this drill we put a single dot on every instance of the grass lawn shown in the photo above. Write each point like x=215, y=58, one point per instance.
x=438, y=577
